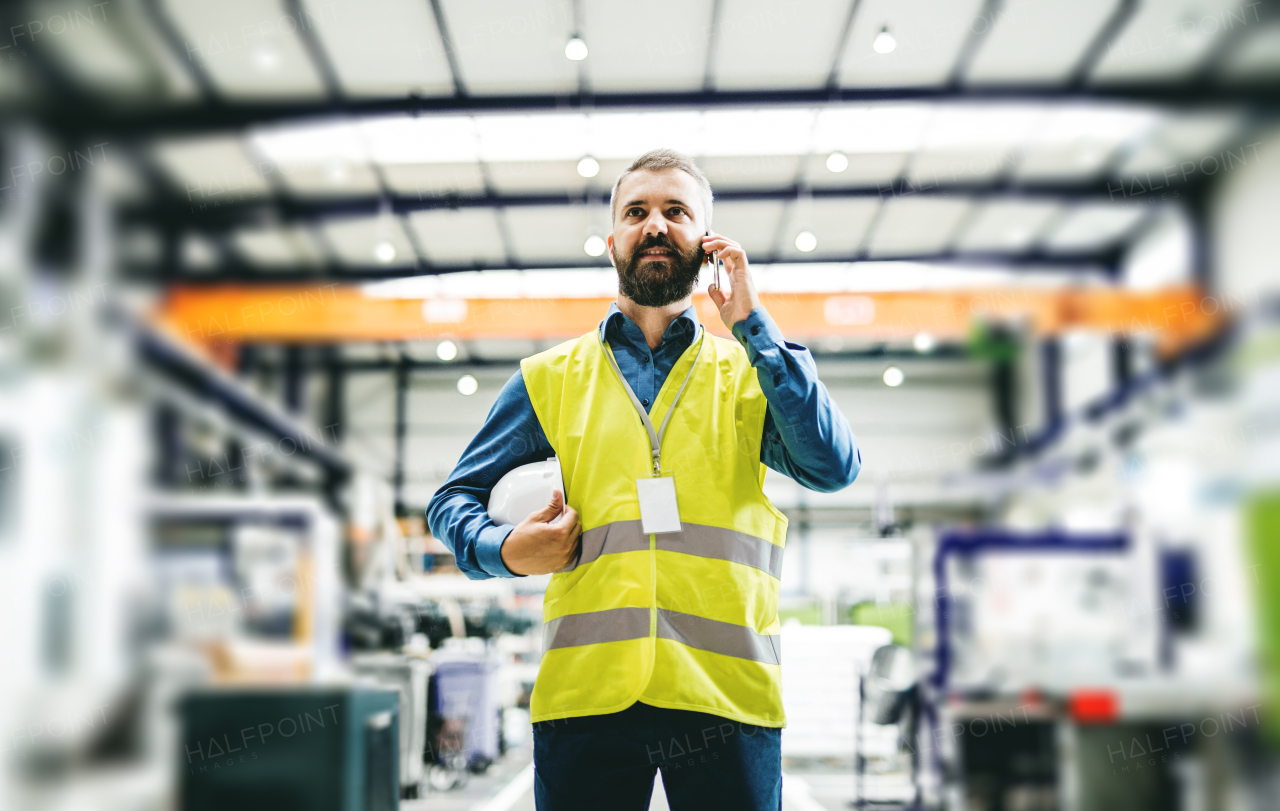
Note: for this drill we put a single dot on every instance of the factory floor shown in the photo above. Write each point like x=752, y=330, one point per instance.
x=508, y=786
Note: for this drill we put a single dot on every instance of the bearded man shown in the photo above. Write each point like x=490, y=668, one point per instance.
x=661, y=636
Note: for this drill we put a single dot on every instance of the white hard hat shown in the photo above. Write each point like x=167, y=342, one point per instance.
x=524, y=491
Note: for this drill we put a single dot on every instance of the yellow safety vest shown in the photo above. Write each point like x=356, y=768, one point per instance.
x=685, y=620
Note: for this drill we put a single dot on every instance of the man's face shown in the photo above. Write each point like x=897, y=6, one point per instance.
x=656, y=243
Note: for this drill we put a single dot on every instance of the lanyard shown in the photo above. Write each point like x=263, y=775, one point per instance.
x=655, y=437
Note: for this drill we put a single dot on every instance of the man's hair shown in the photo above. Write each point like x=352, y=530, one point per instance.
x=656, y=160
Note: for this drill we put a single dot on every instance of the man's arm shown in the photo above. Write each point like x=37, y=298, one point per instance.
x=511, y=436
x=805, y=435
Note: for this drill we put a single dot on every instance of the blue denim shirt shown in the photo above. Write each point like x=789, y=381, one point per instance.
x=805, y=435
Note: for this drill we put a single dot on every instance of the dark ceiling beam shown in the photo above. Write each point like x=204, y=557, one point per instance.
x=450, y=51
x=1103, y=261
x=44, y=75
x=316, y=52
x=172, y=38
x=1230, y=42
x=211, y=214
x=714, y=36
x=974, y=41
x=176, y=119
x=842, y=42
x=1107, y=34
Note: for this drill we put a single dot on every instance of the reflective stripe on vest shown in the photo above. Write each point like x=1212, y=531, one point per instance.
x=696, y=539
x=621, y=624
x=614, y=625
x=724, y=638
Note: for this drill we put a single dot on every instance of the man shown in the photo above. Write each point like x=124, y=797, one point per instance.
x=661, y=630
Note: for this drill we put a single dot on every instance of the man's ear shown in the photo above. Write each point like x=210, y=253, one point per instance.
x=608, y=242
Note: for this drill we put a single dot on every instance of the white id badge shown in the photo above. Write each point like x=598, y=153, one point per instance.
x=658, y=511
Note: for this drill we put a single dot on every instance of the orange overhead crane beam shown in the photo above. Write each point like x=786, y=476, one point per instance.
x=333, y=313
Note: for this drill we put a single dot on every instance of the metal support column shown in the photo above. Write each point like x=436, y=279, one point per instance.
x=402, y=396
x=295, y=380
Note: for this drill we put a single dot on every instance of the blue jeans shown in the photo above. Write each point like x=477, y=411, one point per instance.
x=608, y=762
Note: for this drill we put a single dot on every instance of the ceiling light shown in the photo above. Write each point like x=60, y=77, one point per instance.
x=984, y=126
x=893, y=377
x=837, y=162
x=595, y=245
x=588, y=167
x=576, y=49
x=754, y=132
x=806, y=241
x=326, y=143
x=446, y=350
x=884, y=43
x=421, y=139
x=198, y=252
x=467, y=385
x=887, y=127
x=923, y=342
x=384, y=252
x=266, y=57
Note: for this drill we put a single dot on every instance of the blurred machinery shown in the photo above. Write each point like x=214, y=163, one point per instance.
x=1056, y=650
x=316, y=749
x=468, y=705
x=888, y=695
x=408, y=674
x=252, y=582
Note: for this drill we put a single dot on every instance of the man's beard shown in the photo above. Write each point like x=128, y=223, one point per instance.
x=657, y=283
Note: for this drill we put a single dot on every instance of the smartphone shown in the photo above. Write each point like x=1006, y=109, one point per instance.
x=714, y=259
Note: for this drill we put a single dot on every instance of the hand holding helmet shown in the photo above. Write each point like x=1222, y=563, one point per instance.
x=545, y=540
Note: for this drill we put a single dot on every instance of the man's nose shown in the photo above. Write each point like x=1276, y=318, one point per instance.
x=656, y=224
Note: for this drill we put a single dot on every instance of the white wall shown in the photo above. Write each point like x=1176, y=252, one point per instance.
x=1246, y=239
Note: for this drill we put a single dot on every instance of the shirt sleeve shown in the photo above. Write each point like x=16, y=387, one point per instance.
x=805, y=435
x=511, y=436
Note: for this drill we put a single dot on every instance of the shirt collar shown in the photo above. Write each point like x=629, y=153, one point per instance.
x=617, y=325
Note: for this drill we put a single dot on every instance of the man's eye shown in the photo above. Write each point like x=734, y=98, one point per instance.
x=677, y=211
x=635, y=212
